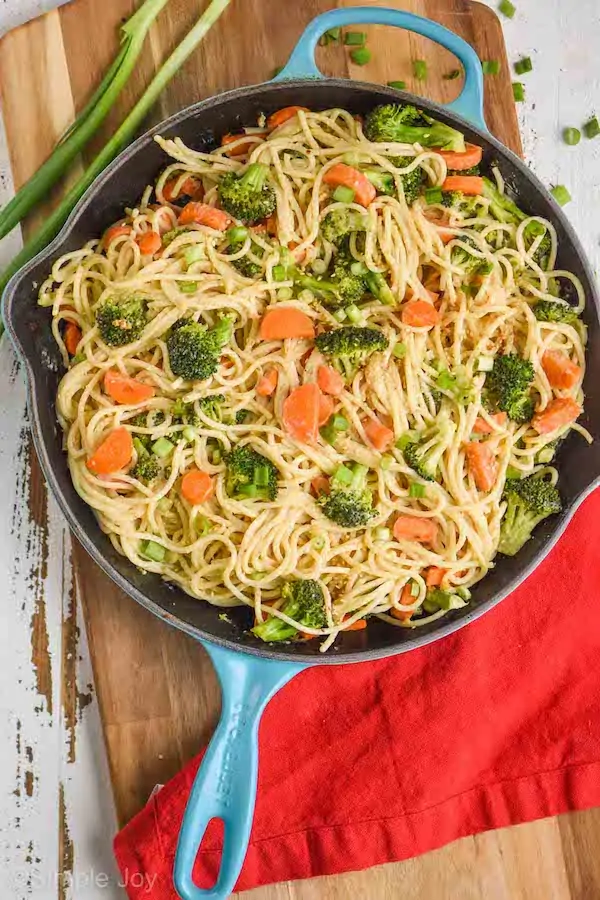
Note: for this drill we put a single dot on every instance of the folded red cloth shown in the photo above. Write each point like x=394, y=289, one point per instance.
x=365, y=764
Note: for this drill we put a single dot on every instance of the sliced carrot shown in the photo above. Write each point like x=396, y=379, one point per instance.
x=406, y=599
x=195, y=213
x=560, y=411
x=267, y=383
x=459, y=161
x=482, y=464
x=124, y=389
x=283, y=322
x=301, y=413
x=243, y=147
x=359, y=625
x=114, y=453
x=326, y=405
x=481, y=426
x=445, y=235
x=472, y=185
x=330, y=381
x=196, y=487
x=562, y=372
x=191, y=187
x=411, y=528
x=341, y=174
x=114, y=232
x=320, y=485
x=71, y=337
x=379, y=436
x=434, y=576
x=284, y=115
x=149, y=243
x=419, y=314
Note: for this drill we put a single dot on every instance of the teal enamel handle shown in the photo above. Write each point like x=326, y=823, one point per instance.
x=469, y=104
x=225, y=786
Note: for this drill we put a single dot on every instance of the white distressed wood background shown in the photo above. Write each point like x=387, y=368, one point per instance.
x=51, y=783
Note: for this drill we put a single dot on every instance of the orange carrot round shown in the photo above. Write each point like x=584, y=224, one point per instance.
x=243, y=147
x=191, y=187
x=412, y=528
x=149, y=243
x=326, y=405
x=560, y=411
x=301, y=413
x=283, y=322
x=114, y=453
x=359, y=625
x=561, y=372
x=406, y=599
x=195, y=213
x=434, y=576
x=379, y=435
x=481, y=426
x=341, y=174
x=482, y=464
x=124, y=389
x=459, y=161
x=284, y=115
x=320, y=485
x=71, y=337
x=330, y=381
x=114, y=232
x=267, y=383
x=472, y=185
x=419, y=314
x=196, y=487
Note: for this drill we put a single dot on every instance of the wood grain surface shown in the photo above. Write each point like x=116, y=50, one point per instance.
x=158, y=695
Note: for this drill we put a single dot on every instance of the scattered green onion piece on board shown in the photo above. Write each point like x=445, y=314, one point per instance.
x=343, y=194
x=420, y=69
x=334, y=34
x=399, y=350
x=507, y=9
x=571, y=136
x=451, y=76
x=490, y=66
x=591, y=129
x=518, y=91
x=361, y=56
x=355, y=38
x=397, y=85
x=189, y=433
x=561, y=194
x=153, y=551
x=522, y=66
x=354, y=314
x=381, y=533
x=416, y=490
x=162, y=447
x=433, y=195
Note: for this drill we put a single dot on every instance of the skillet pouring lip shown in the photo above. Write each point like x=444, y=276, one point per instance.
x=52, y=462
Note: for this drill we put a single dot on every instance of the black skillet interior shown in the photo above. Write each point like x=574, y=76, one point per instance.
x=29, y=326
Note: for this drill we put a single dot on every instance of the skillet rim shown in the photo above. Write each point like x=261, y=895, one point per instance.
x=415, y=640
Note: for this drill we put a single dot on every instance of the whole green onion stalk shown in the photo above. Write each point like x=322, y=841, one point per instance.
x=120, y=139
x=133, y=34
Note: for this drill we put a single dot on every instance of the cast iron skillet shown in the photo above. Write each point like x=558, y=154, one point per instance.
x=250, y=672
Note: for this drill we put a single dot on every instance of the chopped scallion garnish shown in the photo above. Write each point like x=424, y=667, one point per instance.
x=571, y=136
x=355, y=38
x=490, y=66
x=561, y=194
x=399, y=350
x=416, y=490
x=382, y=534
x=397, y=85
x=433, y=195
x=361, y=56
x=507, y=9
x=354, y=314
x=591, y=129
x=522, y=66
x=343, y=475
x=518, y=91
x=153, y=551
x=343, y=194
x=420, y=69
x=162, y=447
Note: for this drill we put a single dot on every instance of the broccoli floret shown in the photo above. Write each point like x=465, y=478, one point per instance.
x=507, y=385
x=349, y=348
x=472, y=170
x=458, y=384
x=467, y=206
x=250, y=475
x=241, y=416
x=350, y=287
x=244, y=264
x=304, y=602
x=542, y=254
x=529, y=500
x=383, y=182
x=169, y=236
x=379, y=288
x=184, y=413
x=471, y=264
x=194, y=349
x=248, y=197
x=212, y=406
x=555, y=311
x=501, y=206
x=340, y=223
x=403, y=123
x=425, y=453
x=350, y=503
x=413, y=181
x=121, y=321
x=146, y=469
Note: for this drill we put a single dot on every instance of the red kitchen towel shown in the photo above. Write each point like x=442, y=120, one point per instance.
x=374, y=762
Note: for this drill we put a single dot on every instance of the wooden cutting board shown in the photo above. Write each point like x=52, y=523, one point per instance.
x=157, y=692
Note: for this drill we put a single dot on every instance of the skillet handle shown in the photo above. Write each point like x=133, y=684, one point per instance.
x=225, y=786
x=469, y=104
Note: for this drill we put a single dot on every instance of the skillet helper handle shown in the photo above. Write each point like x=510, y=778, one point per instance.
x=225, y=786
x=469, y=104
